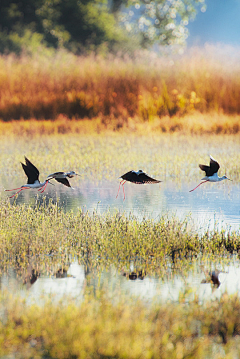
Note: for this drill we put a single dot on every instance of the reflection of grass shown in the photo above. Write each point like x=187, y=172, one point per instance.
x=99, y=329
x=145, y=87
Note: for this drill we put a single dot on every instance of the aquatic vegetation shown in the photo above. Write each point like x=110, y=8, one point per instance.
x=47, y=235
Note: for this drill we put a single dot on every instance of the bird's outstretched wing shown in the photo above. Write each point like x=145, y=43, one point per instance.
x=140, y=178
x=213, y=168
x=31, y=171
x=146, y=179
x=63, y=181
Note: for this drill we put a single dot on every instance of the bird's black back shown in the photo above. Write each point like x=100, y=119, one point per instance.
x=57, y=174
x=31, y=171
x=140, y=178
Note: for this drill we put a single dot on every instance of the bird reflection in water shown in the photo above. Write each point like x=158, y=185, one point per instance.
x=134, y=275
x=213, y=278
x=62, y=273
x=31, y=276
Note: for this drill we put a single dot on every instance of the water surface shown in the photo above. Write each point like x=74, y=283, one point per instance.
x=211, y=205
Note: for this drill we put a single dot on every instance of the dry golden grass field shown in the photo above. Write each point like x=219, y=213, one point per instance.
x=197, y=92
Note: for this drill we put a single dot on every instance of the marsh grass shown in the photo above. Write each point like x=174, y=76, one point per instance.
x=99, y=157
x=97, y=328
x=144, y=87
x=105, y=324
x=30, y=234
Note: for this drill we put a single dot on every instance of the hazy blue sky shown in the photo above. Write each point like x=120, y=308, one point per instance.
x=220, y=23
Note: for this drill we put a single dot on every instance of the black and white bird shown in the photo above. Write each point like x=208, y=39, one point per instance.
x=32, y=174
x=137, y=177
x=62, y=177
x=211, y=173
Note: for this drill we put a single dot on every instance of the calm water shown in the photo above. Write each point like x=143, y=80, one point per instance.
x=210, y=205
x=148, y=288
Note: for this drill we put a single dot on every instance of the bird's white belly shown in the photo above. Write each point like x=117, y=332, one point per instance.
x=36, y=184
x=213, y=179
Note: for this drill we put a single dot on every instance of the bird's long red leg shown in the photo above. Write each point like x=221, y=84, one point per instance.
x=20, y=189
x=198, y=186
x=123, y=190
x=119, y=188
x=14, y=189
x=44, y=187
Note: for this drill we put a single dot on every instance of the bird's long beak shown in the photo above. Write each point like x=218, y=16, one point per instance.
x=51, y=183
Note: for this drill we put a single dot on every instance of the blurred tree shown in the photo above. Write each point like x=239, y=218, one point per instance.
x=158, y=21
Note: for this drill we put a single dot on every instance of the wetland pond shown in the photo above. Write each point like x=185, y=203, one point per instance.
x=211, y=206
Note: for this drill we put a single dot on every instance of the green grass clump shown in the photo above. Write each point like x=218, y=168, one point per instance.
x=101, y=329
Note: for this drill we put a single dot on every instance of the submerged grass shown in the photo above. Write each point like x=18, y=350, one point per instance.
x=143, y=87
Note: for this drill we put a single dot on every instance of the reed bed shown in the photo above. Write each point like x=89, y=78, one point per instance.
x=144, y=87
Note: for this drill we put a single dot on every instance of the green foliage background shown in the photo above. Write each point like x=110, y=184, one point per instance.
x=90, y=25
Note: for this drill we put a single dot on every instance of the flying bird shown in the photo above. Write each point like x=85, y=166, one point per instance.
x=32, y=174
x=62, y=177
x=211, y=173
x=138, y=177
